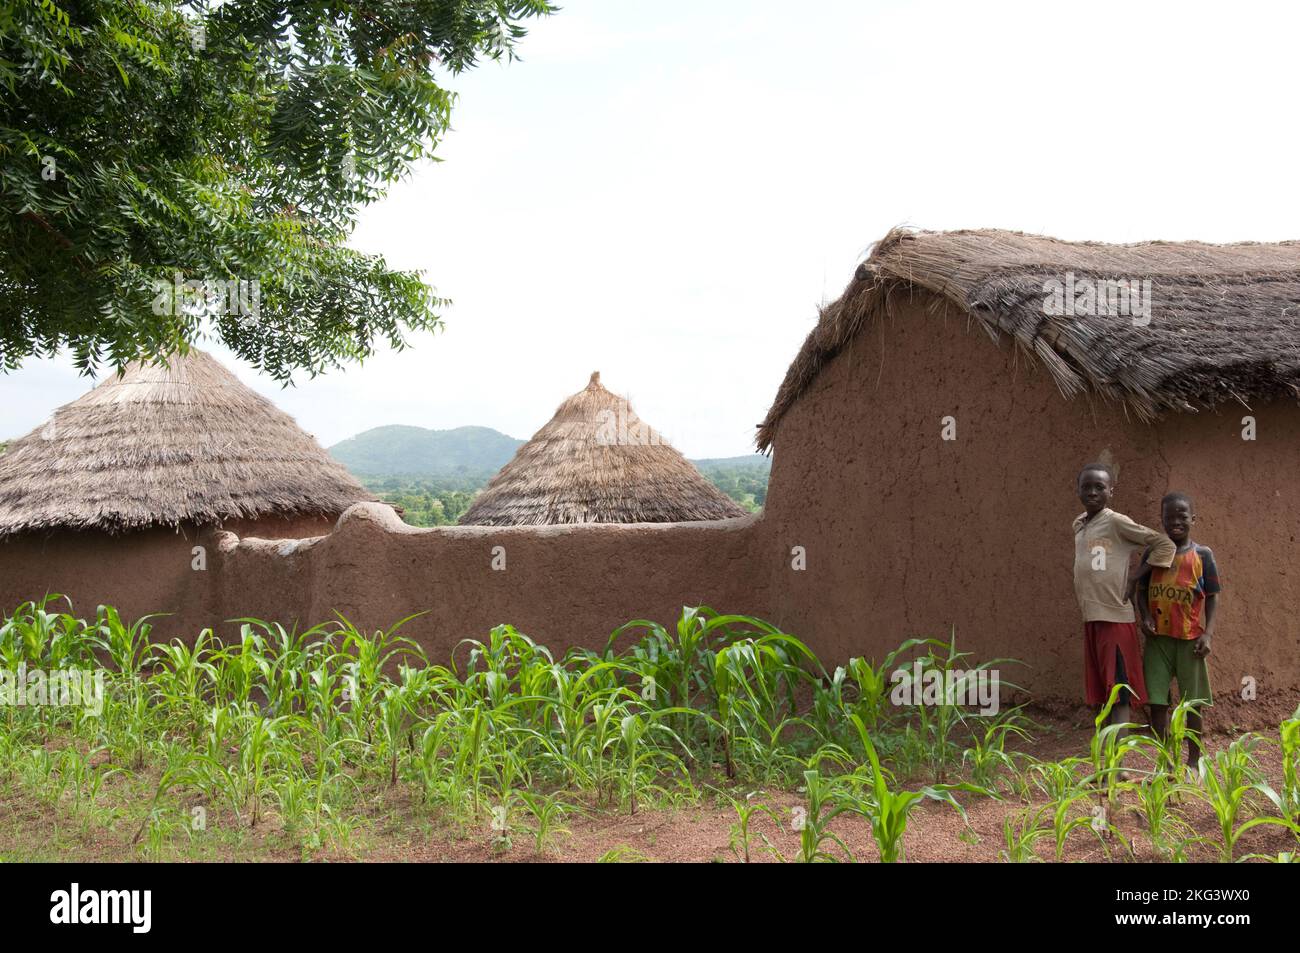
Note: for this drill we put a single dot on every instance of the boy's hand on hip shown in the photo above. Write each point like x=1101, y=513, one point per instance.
x=1202, y=647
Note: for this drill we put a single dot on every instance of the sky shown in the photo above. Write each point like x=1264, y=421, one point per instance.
x=665, y=191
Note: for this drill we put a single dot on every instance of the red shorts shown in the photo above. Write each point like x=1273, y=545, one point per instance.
x=1105, y=644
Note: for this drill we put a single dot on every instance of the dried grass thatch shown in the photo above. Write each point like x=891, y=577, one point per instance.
x=166, y=445
x=596, y=462
x=1224, y=324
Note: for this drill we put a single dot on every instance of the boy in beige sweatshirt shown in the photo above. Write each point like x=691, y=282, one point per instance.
x=1103, y=542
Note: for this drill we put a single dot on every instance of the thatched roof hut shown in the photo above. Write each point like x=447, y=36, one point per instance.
x=597, y=462
x=1225, y=321
x=940, y=410
x=164, y=446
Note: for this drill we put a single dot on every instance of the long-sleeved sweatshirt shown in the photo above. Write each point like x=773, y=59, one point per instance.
x=1102, y=547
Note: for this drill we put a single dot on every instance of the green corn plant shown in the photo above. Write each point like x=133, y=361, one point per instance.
x=1237, y=761
x=1165, y=827
x=174, y=775
x=755, y=676
x=676, y=665
x=470, y=751
x=566, y=717
x=328, y=770
x=184, y=680
x=398, y=706
x=888, y=811
x=439, y=781
x=825, y=803
x=872, y=684
x=291, y=655
x=161, y=825
x=1057, y=779
x=368, y=656
x=1225, y=782
x=766, y=749
x=72, y=770
x=335, y=830
x=255, y=754
x=741, y=835
x=829, y=704
x=323, y=689
x=222, y=723
x=70, y=643
x=509, y=767
x=548, y=813
x=939, y=720
x=129, y=722
x=217, y=782
x=634, y=730
x=1064, y=821
x=1289, y=737
x=1020, y=835
x=988, y=759
x=1169, y=749
x=294, y=797
x=44, y=639
x=242, y=668
x=1108, y=748
x=127, y=646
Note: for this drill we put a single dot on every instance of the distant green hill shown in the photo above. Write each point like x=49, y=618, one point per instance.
x=434, y=474
x=398, y=450
x=751, y=461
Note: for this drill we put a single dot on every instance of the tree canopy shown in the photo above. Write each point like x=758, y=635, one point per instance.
x=172, y=170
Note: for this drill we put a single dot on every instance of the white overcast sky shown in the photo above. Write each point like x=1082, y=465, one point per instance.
x=664, y=190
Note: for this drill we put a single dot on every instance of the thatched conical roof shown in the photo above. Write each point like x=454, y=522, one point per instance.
x=596, y=462
x=166, y=445
x=1224, y=321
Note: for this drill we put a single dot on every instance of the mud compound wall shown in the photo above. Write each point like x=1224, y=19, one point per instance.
x=140, y=573
x=561, y=585
x=907, y=534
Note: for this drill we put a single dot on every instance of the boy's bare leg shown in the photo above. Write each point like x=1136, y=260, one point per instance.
x=1195, y=725
x=1160, y=720
x=1119, y=715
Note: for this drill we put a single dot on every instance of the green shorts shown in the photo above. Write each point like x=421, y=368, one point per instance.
x=1165, y=659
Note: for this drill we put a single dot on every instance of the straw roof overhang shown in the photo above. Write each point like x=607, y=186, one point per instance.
x=1224, y=319
x=595, y=461
x=165, y=445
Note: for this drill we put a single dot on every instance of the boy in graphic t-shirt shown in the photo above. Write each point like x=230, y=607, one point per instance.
x=1177, y=607
x=1103, y=542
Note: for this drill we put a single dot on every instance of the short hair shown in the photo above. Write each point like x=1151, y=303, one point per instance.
x=1103, y=467
x=1177, y=496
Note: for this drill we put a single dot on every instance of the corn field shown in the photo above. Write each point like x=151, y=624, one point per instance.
x=297, y=734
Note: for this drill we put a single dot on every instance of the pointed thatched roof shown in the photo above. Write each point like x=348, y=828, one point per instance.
x=1224, y=320
x=596, y=462
x=165, y=445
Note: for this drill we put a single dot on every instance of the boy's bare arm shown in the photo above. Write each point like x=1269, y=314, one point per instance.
x=1202, y=647
x=1138, y=595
